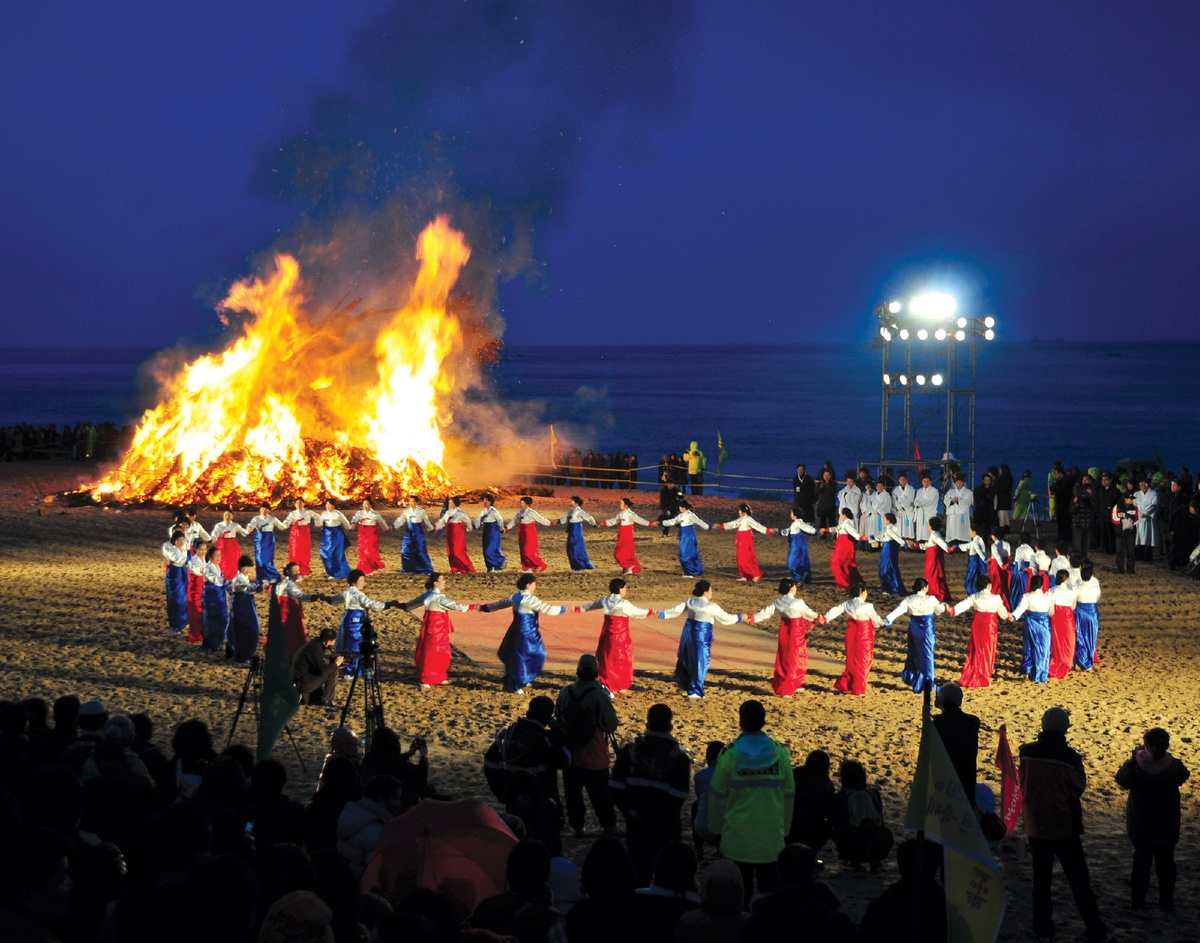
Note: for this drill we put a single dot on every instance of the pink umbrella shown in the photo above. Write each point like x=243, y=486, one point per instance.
x=459, y=848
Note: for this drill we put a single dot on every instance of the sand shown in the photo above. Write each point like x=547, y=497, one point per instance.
x=82, y=597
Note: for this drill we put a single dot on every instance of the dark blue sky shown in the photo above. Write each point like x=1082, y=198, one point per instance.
x=650, y=172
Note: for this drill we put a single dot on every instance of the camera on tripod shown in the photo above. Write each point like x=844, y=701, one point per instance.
x=369, y=645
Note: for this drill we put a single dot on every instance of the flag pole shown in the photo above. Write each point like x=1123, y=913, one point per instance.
x=915, y=903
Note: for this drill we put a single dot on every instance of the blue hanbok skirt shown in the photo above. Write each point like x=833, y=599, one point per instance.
x=695, y=653
x=414, y=558
x=1036, y=662
x=889, y=569
x=976, y=567
x=333, y=552
x=243, y=627
x=798, y=560
x=1087, y=628
x=577, y=553
x=493, y=558
x=355, y=624
x=918, y=662
x=216, y=617
x=1016, y=585
x=689, y=552
x=264, y=556
x=522, y=651
x=176, y=581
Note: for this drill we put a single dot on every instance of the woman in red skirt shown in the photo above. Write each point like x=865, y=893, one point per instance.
x=842, y=561
x=526, y=521
x=981, y=647
x=747, y=559
x=456, y=523
x=225, y=535
x=795, y=619
x=861, y=622
x=1062, y=625
x=624, y=552
x=300, y=522
x=935, y=561
x=433, y=645
x=614, y=651
x=370, y=524
x=195, y=591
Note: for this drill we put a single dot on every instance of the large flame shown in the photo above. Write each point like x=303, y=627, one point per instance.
x=307, y=405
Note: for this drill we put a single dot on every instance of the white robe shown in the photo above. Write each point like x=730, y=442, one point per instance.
x=903, y=499
x=1147, y=525
x=958, y=514
x=925, y=506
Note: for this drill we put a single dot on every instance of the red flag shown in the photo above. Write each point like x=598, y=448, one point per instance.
x=1010, y=786
x=916, y=450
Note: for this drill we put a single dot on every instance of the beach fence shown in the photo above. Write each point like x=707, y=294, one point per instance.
x=644, y=478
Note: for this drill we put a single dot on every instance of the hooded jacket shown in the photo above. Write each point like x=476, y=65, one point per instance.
x=696, y=462
x=1052, y=780
x=750, y=799
x=1152, y=811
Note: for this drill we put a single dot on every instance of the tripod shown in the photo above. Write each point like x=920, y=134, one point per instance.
x=1030, y=515
x=367, y=669
x=253, y=689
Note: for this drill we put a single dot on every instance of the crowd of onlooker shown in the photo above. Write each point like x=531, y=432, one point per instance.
x=83, y=441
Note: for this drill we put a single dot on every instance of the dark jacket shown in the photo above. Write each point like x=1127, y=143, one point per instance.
x=525, y=745
x=312, y=666
x=1052, y=780
x=804, y=495
x=960, y=734
x=1152, y=811
x=650, y=779
x=591, y=697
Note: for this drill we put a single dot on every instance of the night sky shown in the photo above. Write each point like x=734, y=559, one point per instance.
x=626, y=171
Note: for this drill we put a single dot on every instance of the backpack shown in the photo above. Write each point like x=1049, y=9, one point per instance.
x=578, y=724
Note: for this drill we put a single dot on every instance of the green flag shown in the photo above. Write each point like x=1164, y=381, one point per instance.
x=280, y=699
x=721, y=453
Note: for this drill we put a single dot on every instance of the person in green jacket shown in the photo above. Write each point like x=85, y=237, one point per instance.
x=696, y=463
x=750, y=800
x=1023, y=497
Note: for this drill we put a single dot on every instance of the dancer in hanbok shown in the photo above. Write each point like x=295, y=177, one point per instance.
x=413, y=524
x=291, y=608
x=192, y=529
x=791, y=653
x=1087, y=617
x=526, y=522
x=433, y=644
x=216, y=602
x=981, y=646
x=225, y=535
x=695, y=641
x=1035, y=608
x=976, y=561
x=747, y=559
x=456, y=522
x=264, y=528
x=175, y=552
x=861, y=622
x=890, y=545
x=935, y=560
x=842, y=562
x=522, y=650
x=356, y=619
x=958, y=503
x=624, y=551
x=1022, y=560
x=369, y=524
x=195, y=590
x=921, y=607
x=614, y=650
x=904, y=498
x=798, y=560
x=1000, y=566
x=878, y=505
x=334, y=529
x=490, y=523
x=574, y=520
x=689, y=549
x=300, y=522
x=925, y=507
x=1062, y=625
x=243, y=626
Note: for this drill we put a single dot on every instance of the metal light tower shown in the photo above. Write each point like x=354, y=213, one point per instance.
x=930, y=355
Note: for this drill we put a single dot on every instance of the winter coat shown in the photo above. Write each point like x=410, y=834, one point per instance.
x=750, y=799
x=358, y=830
x=1152, y=811
x=1052, y=780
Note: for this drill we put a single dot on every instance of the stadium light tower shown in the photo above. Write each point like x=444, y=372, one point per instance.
x=930, y=354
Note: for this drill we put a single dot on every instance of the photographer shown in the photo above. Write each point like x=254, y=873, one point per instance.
x=1124, y=521
x=315, y=668
x=531, y=744
x=410, y=767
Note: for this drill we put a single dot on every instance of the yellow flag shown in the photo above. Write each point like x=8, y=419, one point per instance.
x=974, y=888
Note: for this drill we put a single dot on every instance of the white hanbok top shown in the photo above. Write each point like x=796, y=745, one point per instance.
x=355, y=598
x=243, y=584
x=700, y=609
x=880, y=502
x=797, y=526
x=453, y=515
x=233, y=529
x=1087, y=590
x=918, y=604
x=335, y=519
x=1042, y=559
x=1024, y=554
x=1064, y=595
x=287, y=588
x=849, y=497
x=847, y=528
x=266, y=524
x=685, y=518
x=1001, y=552
x=175, y=556
x=305, y=518
x=1035, y=600
x=1060, y=562
x=435, y=601
x=926, y=500
x=577, y=516
x=371, y=518
x=891, y=532
x=489, y=515
x=791, y=606
x=977, y=548
x=524, y=602
x=937, y=540
x=744, y=522
x=526, y=516
x=197, y=565
x=904, y=497
x=626, y=517
x=412, y=516
x=193, y=532
x=614, y=604
x=213, y=574
x=983, y=601
x=858, y=609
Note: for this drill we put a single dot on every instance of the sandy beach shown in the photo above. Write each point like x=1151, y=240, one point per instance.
x=82, y=595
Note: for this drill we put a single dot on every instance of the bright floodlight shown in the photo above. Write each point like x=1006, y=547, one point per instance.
x=962, y=322
x=989, y=322
x=894, y=307
x=887, y=379
x=989, y=334
x=903, y=380
x=903, y=333
x=934, y=304
x=960, y=335
x=923, y=334
x=920, y=379
x=940, y=334
x=937, y=379
x=885, y=333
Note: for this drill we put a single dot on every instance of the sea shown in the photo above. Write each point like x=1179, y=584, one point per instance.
x=1082, y=403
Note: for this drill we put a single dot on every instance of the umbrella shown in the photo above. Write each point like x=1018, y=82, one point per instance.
x=1135, y=463
x=459, y=848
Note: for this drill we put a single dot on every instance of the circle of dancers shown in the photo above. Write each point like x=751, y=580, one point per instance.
x=211, y=586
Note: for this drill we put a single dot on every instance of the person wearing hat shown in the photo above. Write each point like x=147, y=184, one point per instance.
x=1052, y=781
x=650, y=783
x=585, y=712
x=958, y=501
x=531, y=744
x=960, y=735
x=315, y=668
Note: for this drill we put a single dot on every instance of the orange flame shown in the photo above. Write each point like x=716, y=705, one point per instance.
x=294, y=407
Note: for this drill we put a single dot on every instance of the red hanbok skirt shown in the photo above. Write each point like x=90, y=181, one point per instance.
x=747, y=559
x=230, y=552
x=1000, y=577
x=1062, y=641
x=843, y=564
x=195, y=598
x=860, y=655
x=300, y=547
x=614, y=652
x=433, y=647
x=456, y=548
x=624, y=552
x=369, y=559
x=981, y=651
x=295, y=633
x=791, y=657
x=527, y=541
x=935, y=572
